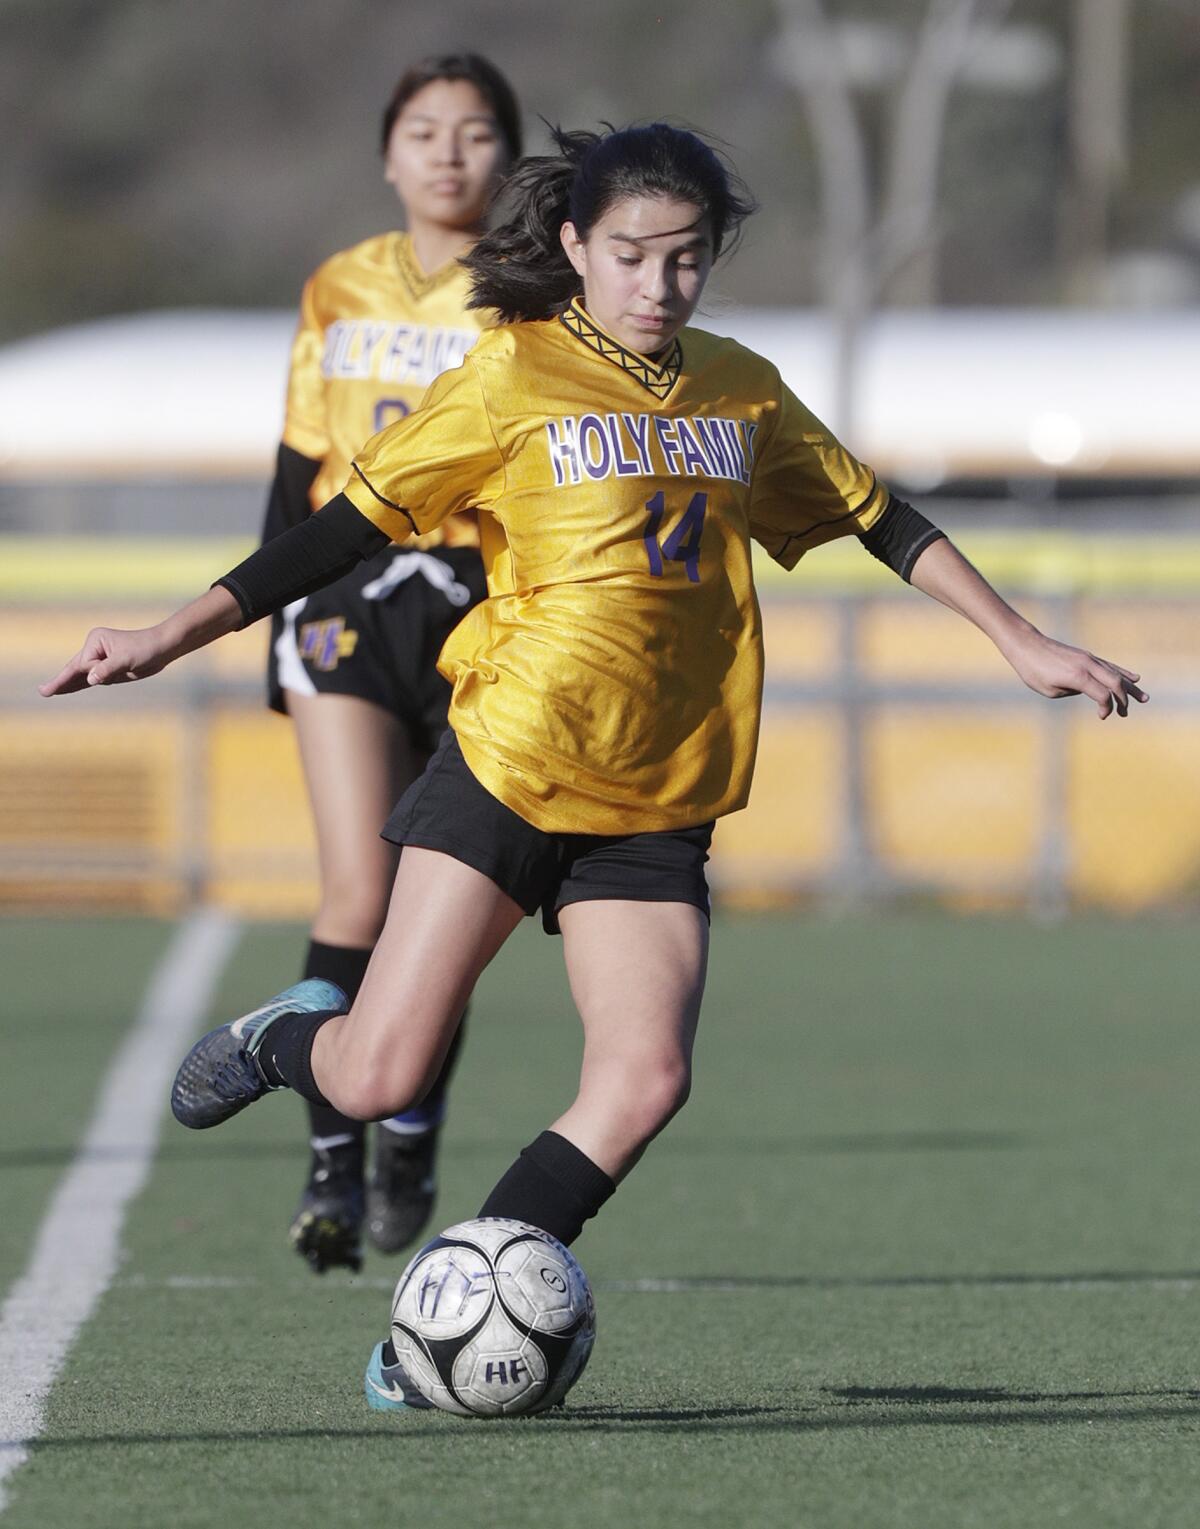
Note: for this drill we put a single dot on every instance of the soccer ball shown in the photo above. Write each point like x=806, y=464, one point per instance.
x=493, y=1318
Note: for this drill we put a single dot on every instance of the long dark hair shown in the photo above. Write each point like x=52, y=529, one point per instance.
x=477, y=71
x=520, y=269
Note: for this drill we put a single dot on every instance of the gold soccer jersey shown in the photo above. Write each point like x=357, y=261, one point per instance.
x=374, y=332
x=612, y=682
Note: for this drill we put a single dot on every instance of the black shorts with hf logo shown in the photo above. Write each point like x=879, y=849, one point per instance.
x=376, y=634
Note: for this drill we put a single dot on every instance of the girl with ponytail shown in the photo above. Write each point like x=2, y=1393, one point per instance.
x=521, y=270
x=607, y=693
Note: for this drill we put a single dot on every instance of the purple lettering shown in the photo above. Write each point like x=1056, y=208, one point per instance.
x=737, y=453
x=707, y=430
x=694, y=459
x=668, y=443
x=638, y=426
x=591, y=428
x=626, y=467
x=564, y=451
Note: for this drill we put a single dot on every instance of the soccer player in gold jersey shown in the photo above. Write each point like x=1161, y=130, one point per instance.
x=607, y=694
x=355, y=665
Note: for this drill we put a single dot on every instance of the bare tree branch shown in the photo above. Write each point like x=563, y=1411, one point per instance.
x=1098, y=137
x=816, y=67
x=818, y=70
x=907, y=236
x=859, y=254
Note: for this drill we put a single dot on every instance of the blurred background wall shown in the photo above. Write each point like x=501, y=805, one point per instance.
x=978, y=255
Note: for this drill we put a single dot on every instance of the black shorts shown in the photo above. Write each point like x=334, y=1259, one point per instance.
x=447, y=809
x=376, y=634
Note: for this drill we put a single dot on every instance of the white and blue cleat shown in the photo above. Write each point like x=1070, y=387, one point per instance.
x=219, y=1076
x=388, y=1387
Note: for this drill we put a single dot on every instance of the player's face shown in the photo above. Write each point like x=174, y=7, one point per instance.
x=644, y=265
x=446, y=155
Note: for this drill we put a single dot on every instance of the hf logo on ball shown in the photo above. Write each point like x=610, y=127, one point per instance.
x=507, y=1371
x=444, y=1286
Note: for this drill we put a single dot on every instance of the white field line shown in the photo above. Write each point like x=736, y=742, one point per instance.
x=708, y=1285
x=78, y=1245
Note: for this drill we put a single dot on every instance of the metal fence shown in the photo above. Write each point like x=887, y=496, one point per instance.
x=899, y=758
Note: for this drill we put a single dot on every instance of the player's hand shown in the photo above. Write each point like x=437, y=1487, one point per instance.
x=1056, y=669
x=111, y=657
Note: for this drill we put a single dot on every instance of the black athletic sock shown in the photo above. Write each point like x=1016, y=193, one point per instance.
x=285, y=1056
x=430, y=1113
x=344, y=964
x=436, y=1097
x=552, y=1185
x=347, y=966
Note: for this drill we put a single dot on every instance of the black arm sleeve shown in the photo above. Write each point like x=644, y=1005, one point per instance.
x=303, y=559
x=288, y=502
x=899, y=537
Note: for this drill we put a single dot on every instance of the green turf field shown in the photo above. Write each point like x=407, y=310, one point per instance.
x=923, y=1252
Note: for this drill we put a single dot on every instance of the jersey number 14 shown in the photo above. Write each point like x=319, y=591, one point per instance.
x=683, y=544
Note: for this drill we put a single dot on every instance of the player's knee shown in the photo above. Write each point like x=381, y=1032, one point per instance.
x=370, y=1093
x=673, y=1086
x=661, y=1089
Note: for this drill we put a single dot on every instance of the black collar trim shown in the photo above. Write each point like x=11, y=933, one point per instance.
x=658, y=380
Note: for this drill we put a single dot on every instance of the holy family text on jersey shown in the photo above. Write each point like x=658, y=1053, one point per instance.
x=588, y=447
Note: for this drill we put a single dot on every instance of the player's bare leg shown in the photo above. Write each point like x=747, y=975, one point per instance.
x=357, y=760
x=445, y=923
x=637, y=974
x=639, y=1018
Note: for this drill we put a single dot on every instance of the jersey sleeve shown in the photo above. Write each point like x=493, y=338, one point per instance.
x=807, y=488
x=305, y=424
x=440, y=460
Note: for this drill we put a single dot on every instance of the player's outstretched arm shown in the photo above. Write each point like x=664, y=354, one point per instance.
x=1049, y=667
x=113, y=657
x=298, y=562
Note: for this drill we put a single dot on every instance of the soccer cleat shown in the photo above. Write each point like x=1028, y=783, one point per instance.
x=401, y=1187
x=388, y=1387
x=219, y=1075
x=327, y=1227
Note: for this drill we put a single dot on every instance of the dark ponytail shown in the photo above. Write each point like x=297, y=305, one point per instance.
x=520, y=269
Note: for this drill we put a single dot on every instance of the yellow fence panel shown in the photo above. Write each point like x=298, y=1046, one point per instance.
x=791, y=832
x=1133, y=795
x=898, y=754
x=93, y=810
x=955, y=799
x=262, y=857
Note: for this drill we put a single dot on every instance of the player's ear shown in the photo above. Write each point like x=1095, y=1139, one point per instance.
x=574, y=246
